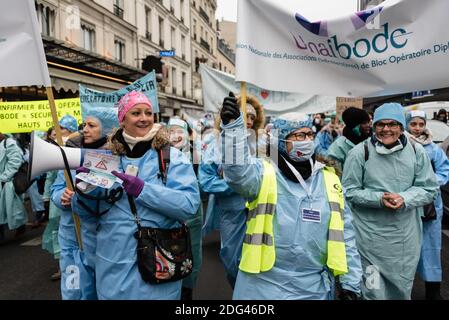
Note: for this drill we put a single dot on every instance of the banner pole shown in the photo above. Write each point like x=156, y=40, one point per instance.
x=54, y=115
x=243, y=100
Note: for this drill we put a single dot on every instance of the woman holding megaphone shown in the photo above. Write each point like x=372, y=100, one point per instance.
x=160, y=193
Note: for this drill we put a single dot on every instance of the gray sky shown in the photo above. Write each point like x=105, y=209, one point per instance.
x=311, y=9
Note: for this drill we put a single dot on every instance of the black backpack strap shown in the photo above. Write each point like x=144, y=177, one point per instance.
x=110, y=197
x=96, y=212
x=365, y=146
x=133, y=208
x=66, y=163
x=413, y=145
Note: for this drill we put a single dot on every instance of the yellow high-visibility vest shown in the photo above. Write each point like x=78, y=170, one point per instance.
x=258, y=254
x=258, y=251
x=336, y=251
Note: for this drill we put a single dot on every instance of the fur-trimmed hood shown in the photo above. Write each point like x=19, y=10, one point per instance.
x=160, y=140
x=259, y=122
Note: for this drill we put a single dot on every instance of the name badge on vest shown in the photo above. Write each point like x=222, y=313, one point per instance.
x=311, y=215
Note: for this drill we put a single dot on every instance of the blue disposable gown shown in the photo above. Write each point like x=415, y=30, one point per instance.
x=37, y=202
x=389, y=241
x=225, y=207
x=77, y=267
x=50, y=236
x=195, y=225
x=339, y=150
x=12, y=210
x=300, y=270
x=158, y=206
x=323, y=141
x=429, y=266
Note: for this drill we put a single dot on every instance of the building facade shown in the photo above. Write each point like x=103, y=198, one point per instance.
x=226, y=39
x=102, y=44
x=164, y=25
x=228, y=31
x=204, y=40
x=82, y=37
x=225, y=57
x=85, y=42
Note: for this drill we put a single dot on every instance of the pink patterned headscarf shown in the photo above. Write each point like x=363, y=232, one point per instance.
x=128, y=101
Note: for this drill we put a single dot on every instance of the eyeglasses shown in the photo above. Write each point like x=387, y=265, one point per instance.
x=301, y=136
x=390, y=125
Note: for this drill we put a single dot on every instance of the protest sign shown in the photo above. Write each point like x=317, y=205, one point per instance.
x=26, y=116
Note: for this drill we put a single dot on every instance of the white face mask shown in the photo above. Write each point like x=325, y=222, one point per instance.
x=381, y=149
x=302, y=150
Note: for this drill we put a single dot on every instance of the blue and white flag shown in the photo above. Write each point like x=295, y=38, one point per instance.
x=96, y=102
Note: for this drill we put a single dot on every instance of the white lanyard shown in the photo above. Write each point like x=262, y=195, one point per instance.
x=307, y=188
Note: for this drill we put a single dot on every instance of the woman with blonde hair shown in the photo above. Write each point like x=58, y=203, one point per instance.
x=154, y=198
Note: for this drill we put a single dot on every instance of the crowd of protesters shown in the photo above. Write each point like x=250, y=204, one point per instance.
x=321, y=206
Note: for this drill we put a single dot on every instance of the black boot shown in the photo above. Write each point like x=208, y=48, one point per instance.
x=433, y=291
x=186, y=293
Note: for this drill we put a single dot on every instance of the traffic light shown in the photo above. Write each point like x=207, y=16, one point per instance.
x=151, y=63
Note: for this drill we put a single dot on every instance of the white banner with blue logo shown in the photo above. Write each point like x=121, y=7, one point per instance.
x=399, y=46
x=93, y=100
x=217, y=85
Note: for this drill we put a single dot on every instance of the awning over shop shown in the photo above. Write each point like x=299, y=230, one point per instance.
x=62, y=53
x=67, y=80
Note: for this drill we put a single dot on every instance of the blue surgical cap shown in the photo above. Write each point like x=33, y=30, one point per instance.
x=68, y=122
x=415, y=114
x=289, y=123
x=106, y=116
x=178, y=122
x=390, y=111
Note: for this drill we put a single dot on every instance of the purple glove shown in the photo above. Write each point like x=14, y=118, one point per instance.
x=83, y=170
x=132, y=185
